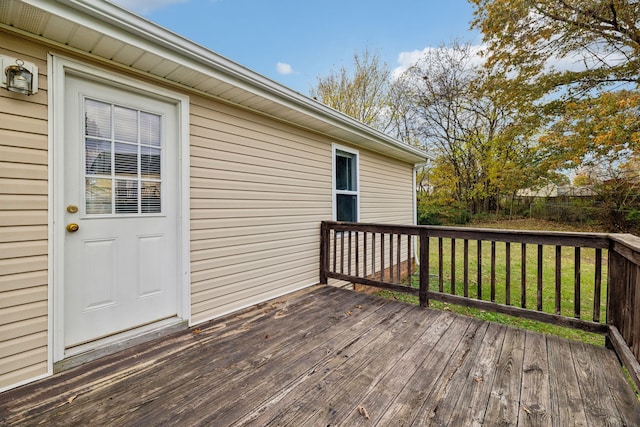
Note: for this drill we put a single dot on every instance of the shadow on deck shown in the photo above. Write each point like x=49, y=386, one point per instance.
x=329, y=356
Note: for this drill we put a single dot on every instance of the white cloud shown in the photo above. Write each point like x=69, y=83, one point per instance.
x=145, y=6
x=284, y=68
x=577, y=61
x=411, y=58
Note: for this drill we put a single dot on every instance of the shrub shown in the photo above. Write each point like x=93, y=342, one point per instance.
x=431, y=213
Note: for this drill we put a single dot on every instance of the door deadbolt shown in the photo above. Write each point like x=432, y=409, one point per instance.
x=73, y=227
x=72, y=209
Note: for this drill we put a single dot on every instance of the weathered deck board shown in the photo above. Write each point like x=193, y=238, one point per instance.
x=341, y=375
x=626, y=404
x=566, y=402
x=334, y=357
x=379, y=394
x=469, y=371
x=535, y=397
x=435, y=369
x=504, y=400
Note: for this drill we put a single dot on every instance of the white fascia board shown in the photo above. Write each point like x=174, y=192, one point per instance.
x=114, y=21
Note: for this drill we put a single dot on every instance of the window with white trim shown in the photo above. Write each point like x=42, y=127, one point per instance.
x=345, y=185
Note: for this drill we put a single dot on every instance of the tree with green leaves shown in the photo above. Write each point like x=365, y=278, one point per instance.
x=465, y=117
x=573, y=45
x=580, y=61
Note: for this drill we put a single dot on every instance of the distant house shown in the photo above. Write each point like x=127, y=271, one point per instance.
x=554, y=191
x=149, y=182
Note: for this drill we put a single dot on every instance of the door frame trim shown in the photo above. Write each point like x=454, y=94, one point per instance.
x=59, y=67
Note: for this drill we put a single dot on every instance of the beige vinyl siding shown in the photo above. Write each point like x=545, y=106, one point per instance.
x=386, y=190
x=259, y=189
x=23, y=222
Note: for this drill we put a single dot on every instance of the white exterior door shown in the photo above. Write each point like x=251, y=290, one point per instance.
x=120, y=163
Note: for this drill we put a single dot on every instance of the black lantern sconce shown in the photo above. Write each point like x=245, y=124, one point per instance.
x=19, y=76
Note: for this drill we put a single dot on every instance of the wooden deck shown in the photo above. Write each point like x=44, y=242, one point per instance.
x=329, y=356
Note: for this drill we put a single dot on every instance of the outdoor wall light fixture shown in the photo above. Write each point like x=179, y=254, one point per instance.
x=19, y=76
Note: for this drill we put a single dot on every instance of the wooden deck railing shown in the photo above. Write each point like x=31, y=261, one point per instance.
x=579, y=280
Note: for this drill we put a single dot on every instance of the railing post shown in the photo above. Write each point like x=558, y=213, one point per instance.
x=324, y=251
x=424, y=270
x=614, y=278
x=623, y=300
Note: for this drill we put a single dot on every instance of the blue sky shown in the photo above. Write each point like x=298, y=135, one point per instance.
x=295, y=41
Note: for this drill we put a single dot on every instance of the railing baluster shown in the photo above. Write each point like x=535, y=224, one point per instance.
x=466, y=267
x=324, y=261
x=349, y=253
x=335, y=250
x=479, y=269
x=364, y=254
x=398, y=262
x=424, y=269
x=424, y=263
x=391, y=275
x=493, y=271
x=558, y=279
x=576, y=284
x=539, y=293
x=523, y=275
x=597, y=286
x=409, y=260
x=357, y=246
x=373, y=255
x=453, y=266
x=440, y=265
x=342, y=253
x=382, y=256
x=507, y=255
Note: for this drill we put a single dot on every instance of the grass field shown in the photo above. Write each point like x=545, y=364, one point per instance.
x=587, y=275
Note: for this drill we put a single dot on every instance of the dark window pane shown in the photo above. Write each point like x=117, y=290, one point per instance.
x=345, y=171
x=346, y=208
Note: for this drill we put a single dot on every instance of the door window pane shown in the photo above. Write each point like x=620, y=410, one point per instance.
x=98, y=196
x=150, y=197
x=123, y=160
x=126, y=159
x=150, y=162
x=126, y=124
x=149, y=129
x=97, y=157
x=97, y=119
x=126, y=196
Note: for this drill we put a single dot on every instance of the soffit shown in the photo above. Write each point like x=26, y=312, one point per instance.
x=111, y=33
